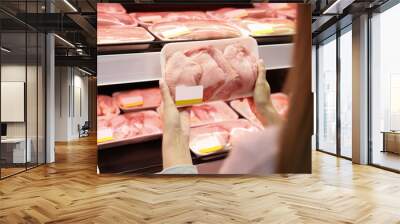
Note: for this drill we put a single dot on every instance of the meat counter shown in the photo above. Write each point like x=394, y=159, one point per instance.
x=123, y=67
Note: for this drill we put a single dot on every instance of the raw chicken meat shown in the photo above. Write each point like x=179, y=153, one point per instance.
x=106, y=106
x=150, y=18
x=215, y=137
x=111, y=8
x=245, y=64
x=247, y=109
x=138, y=99
x=245, y=13
x=130, y=126
x=148, y=122
x=194, y=30
x=210, y=113
x=122, y=128
x=122, y=34
x=222, y=75
x=181, y=70
x=105, y=19
x=283, y=10
x=267, y=26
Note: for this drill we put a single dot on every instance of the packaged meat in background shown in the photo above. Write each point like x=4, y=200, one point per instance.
x=232, y=14
x=211, y=112
x=267, y=26
x=110, y=8
x=213, y=138
x=105, y=19
x=203, y=71
x=138, y=99
x=247, y=109
x=283, y=10
x=194, y=30
x=106, y=106
x=129, y=128
x=149, y=18
x=122, y=35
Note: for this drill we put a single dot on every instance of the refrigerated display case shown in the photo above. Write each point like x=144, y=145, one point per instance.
x=135, y=66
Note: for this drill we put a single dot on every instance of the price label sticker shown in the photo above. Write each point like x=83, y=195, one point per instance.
x=260, y=29
x=132, y=101
x=149, y=19
x=176, y=32
x=207, y=144
x=104, y=135
x=188, y=95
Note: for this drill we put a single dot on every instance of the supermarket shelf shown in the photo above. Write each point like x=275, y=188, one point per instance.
x=141, y=67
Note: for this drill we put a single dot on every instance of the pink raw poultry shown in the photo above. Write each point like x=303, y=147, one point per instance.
x=122, y=128
x=150, y=97
x=181, y=70
x=106, y=106
x=245, y=64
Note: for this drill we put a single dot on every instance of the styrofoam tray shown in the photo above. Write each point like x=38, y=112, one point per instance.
x=170, y=48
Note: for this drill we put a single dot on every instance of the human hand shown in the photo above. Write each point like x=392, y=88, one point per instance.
x=265, y=110
x=176, y=126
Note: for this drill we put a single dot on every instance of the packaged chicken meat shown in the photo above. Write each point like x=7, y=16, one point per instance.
x=218, y=137
x=138, y=99
x=128, y=128
x=211, y=112
x=194, y=30
x=258, y=27
x=149, y=18
x=107, y=106
x=122, y=35
x=110, y=8
x=203, y=71
x=106, y=19
x=283, y=10
x=247, y=109
x=242, y=13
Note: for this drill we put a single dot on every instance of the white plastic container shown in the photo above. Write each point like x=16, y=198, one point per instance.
x=248, y=42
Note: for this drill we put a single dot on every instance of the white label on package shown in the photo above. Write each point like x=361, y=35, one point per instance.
x=150, y=18
x=207, y=144
x=132, y=101
x=188, y=95
x=176, y=32
x=260, y=29
x=104, y=134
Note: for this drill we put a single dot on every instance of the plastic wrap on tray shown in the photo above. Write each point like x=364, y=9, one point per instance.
x=212, y=70
x=111, y=8
x=211, y=112
x=242, y=13
x=107, y=19
x=258, y=27
x=247, y=109
x=129, y=128
x=149, y=18
x=107, y=106
x=122, y=35
x=194, y=30
x=138, y=99
x=283, y=10
x=217, y=137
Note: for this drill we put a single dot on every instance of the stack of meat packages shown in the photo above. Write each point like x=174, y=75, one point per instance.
x=128, y=116
x=264, y=19
x=115, y=25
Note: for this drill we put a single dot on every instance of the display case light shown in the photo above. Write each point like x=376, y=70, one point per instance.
x=84, y=71
x=70, y=5
x=337, y=7
x=65, y=41
x=5, y=50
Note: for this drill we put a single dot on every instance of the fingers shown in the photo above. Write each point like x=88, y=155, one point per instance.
x=261, y=72
x=185, y=122
x=165, y=94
